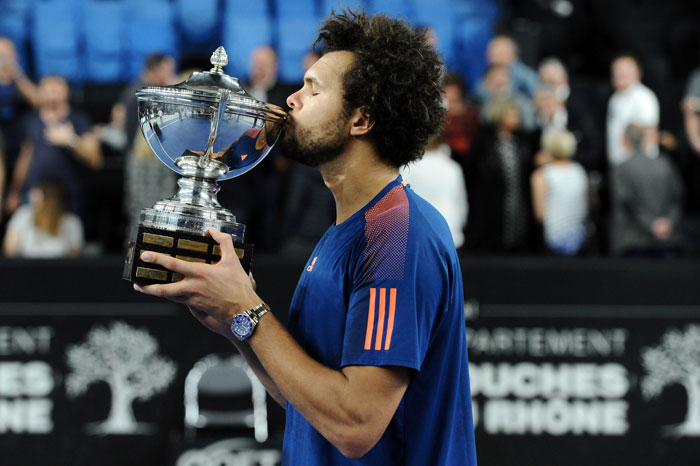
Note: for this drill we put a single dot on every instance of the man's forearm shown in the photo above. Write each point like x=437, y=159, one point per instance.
x=87, y=149
x=252, y=359
x=351, y=410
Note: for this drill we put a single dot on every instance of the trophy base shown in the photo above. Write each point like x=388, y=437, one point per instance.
x=185, y=246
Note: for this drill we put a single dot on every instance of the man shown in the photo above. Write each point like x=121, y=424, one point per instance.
x=264, y=77
x=560, y=108
x=374, y=365
x=158, y=70
x=632, y=103
x=58, y=143
x=647, y=199
x=503, y=51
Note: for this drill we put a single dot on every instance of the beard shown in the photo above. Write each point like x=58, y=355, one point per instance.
x=315, y=147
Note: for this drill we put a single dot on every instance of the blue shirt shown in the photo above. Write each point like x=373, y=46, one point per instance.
x=384, y=288
x=49, y=161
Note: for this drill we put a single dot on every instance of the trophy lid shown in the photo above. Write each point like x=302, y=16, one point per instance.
x=208, y=87
x=208, y=126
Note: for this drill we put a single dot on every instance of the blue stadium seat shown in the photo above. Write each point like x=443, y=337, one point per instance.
x=240, y=36
x=56, y=38
x=393, y=8
x=150, y=29
x=198, y=20
x=296, y=36
x=105, y=29
x=13, y=19
x=440, y=16
x=471, y=39
x=246, y=8
x=354, y=5
x=296, y=9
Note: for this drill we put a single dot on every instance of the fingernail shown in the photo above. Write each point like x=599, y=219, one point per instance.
x=137, y=288
x=146, y=256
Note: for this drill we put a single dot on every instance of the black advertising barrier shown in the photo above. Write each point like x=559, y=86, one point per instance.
x=590, y=362
x=572, y=362
x=561, y=385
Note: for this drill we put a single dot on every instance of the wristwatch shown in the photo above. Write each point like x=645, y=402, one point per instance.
x=244, y=323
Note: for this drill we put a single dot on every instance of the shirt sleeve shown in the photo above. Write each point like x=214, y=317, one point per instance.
x=648, y=109
x=390, y=309
x=21, y=220
x=72, y=232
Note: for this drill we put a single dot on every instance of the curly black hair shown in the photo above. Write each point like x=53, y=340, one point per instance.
x=396, y=77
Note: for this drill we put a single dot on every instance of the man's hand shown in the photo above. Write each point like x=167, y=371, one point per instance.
x=61, y=134
x=661, y=228
x=214, y=293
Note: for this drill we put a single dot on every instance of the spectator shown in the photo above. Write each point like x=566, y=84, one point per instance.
x=264, y=81
x=631, y=103
x=503, y=51
x=58, y=143
x=44, y=228
x=439, y=180
x=647, y=197
x=159, y=70
x=462, y=117
x=560, y=108
x=691, y=111
x=17, y=95
x=560, y=194
x=497, y=182
x=498, y=83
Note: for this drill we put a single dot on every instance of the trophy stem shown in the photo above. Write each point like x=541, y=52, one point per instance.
x=197, y=191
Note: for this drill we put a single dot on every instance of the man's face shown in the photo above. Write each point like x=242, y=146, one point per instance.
x=317, y=129
x=501, y=51
x=553, y=75
x=498, y=80
x=263, y=64
x=164, y=74
x=53, y=91
x=625, y=73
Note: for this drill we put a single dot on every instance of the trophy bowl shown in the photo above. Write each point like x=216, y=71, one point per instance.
x=206, y=129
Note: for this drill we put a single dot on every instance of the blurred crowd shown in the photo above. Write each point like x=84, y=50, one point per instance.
x=526, y=163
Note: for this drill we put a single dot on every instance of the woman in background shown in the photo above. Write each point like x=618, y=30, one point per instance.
x=44, y=228
x=497, y=171
x=560, y=194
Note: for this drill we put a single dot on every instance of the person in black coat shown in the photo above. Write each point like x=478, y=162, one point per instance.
x=497, y=173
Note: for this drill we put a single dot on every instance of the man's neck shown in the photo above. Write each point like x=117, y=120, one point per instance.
x=355, y=178
x=54, y=113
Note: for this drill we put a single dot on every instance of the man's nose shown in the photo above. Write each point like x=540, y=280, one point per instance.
x=293, y=101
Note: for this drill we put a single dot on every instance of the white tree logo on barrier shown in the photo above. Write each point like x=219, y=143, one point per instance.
x=127, y=359
x=676, y=360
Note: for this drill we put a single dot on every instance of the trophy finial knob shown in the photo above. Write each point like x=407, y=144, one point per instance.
x=219, y=59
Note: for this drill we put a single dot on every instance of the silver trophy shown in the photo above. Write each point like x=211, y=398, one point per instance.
x=207, y=129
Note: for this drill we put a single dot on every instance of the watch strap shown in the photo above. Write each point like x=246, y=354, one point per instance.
x=258, y=311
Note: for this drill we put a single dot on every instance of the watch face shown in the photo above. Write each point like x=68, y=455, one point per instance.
x=242, y=326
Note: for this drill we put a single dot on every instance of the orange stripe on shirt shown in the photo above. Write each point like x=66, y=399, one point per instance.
x=380, y=319
x=370, y=318
x=390, y=325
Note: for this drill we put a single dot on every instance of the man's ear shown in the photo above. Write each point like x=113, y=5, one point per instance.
x=361, y=122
